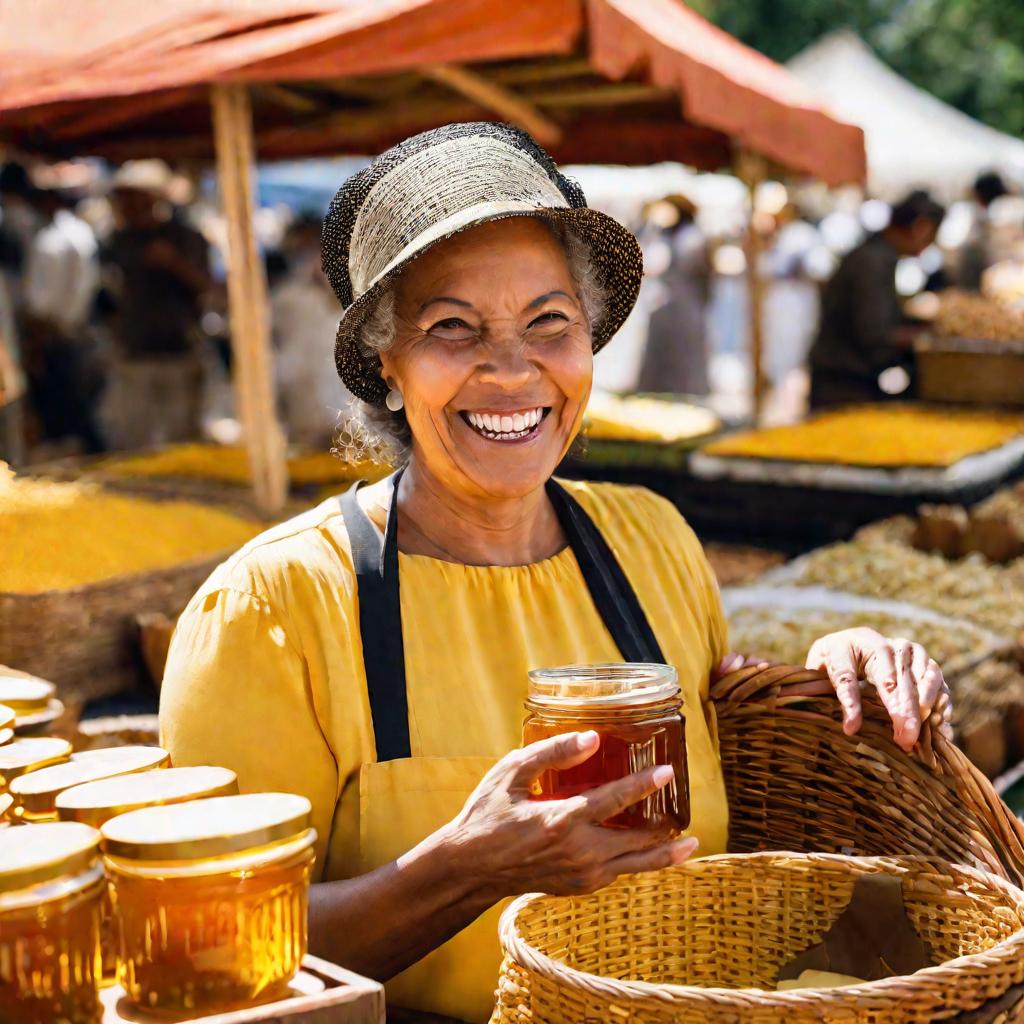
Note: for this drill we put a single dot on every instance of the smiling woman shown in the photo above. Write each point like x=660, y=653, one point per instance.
x=373, y=654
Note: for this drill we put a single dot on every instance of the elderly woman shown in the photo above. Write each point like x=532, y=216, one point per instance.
x=373, y=653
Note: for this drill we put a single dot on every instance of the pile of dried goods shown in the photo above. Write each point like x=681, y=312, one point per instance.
x=965, y=315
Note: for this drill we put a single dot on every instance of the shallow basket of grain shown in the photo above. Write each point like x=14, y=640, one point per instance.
x=705, y=943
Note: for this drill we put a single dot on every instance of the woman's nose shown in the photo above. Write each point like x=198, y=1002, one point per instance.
x=507, y=366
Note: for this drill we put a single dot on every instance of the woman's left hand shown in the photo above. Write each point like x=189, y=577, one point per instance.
x=908, y=681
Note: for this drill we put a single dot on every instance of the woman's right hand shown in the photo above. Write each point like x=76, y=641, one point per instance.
x=513, y=844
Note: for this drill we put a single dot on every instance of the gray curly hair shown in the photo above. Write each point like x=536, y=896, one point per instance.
x=374, y=433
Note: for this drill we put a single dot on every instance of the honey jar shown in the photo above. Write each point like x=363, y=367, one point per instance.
x=7, y=719
x=95, y=803
x=636, y=711
x=25, y=694
x=210, y=900
x=35, y=793
x=30, y=754
x=51, y=886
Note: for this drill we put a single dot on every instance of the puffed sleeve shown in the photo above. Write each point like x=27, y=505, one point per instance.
x=236, y=693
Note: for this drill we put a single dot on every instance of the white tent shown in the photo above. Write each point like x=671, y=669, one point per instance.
x=913, y=139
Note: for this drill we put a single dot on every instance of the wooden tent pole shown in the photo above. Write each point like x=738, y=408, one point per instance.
x=252, y=369
x=750, y=169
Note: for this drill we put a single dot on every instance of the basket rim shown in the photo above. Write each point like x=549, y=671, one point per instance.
x=1009, y=949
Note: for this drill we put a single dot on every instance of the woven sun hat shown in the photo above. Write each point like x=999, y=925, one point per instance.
x=434, y=185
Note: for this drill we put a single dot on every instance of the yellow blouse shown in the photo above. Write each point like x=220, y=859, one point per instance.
x=265, y=673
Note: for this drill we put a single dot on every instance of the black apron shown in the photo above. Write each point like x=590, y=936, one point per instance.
x=380, y=610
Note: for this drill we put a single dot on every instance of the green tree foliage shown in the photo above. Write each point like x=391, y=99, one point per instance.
x=969, y=53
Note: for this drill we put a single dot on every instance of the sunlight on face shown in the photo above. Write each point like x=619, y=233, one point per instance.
x=493, y=357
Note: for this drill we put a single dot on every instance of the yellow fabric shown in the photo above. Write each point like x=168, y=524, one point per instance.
x=265, y=675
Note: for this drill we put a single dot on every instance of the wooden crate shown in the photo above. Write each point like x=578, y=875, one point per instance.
x=323, y=994
x=970, y=372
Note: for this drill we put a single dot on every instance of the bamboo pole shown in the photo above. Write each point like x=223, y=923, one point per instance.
x=750, y=169
x=252, y=369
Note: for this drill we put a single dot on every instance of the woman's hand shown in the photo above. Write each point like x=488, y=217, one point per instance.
x=908, y=681
x=514, y=844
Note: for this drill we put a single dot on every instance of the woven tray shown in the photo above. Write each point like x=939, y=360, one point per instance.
x=970, y=371
x=323, y=994
x=85, y=639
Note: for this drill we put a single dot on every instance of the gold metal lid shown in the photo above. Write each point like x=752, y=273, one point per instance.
x=5, y=805
x=95, y=803
x=40, y=853
x=7, y=717
x=25, y=693
x=207, y=828
x=32, y=721
x=6, y=735
x=26, y=755
x=36, y=792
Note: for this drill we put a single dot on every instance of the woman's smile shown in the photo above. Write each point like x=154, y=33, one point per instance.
x=507, y=427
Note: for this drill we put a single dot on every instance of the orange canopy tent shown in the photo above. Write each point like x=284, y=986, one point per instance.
x=617, y=81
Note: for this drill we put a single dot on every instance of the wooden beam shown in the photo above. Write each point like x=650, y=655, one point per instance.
x=497, y=98
x=604, y=94
x=549, y=71
x=289, y=98
x=750, y=169
x=252, y=364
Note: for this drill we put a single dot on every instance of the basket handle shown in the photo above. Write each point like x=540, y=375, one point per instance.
x=783, y=716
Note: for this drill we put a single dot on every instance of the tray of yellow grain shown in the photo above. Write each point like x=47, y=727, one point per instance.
x=81, y=562
x=322, y=992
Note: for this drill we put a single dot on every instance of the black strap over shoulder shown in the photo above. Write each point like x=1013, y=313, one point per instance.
x=380, y=609
x=380, y=623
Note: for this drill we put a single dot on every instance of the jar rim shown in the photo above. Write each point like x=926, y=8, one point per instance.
x=39, y=853
x=25, y=693
x=619, y=684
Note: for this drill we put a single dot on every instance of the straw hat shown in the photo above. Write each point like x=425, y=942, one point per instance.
x=433, y=186
x=151, y=176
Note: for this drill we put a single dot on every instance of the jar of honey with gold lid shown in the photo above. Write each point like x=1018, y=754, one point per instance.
x=636, y=711
x=210, y=900
x=25, y=694
x=29, y=754
x=51, y=886
x=8, y=716
x=35, y=793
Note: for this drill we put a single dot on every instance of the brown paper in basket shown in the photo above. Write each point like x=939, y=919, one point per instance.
x=873, y=937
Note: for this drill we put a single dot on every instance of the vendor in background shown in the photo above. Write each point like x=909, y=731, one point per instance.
x=676, y=254
x=373, y=653
x=976, y=255
x=863, y=330
x=160, y=273
x=304, y=317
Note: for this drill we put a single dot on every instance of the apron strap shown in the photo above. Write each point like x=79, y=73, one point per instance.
x=612, y=593
x=380, y=623
x=380, y=609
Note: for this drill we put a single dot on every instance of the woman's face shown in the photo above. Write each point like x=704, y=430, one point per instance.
x=492, y=355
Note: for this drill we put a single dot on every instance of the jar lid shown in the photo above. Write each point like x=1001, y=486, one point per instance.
x=624, y=684
x=207, y=828
x=26, y=755
x=36, y=791
x=97, y=802
x=5, y=805
x=7, y=717
x=25, y=693
x=39, y=853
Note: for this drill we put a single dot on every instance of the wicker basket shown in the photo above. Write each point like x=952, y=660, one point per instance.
x=85, y=639
x=796, y=781
x=969, y=371
x=705, y=942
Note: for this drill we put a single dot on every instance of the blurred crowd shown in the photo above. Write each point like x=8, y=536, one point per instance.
x=114, y=323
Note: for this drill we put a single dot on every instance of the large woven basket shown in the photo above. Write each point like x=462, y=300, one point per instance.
x=795, y=782
x=705, y=942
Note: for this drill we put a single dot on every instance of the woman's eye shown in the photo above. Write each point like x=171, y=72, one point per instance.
x=549, y=318
x=453, y=323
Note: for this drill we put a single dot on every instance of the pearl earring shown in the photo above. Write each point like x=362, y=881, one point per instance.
x=395, y=402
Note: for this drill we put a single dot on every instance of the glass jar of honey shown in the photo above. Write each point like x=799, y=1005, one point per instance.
x=7, y=718
x=33, y=700
x=29, y=754
x=210, y=900
x=95, y=803
x=636, y=711
x=35, y=793
x=51, y=887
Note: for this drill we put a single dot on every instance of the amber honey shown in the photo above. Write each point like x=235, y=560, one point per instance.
x=210, y=900
x=636, y=711
x=51, y=887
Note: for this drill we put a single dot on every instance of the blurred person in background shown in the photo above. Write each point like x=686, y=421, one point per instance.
x=61, y=278
x=863, y=330
x=304, y=314
x=160, y=269
x=676, y=358
x=976, y=255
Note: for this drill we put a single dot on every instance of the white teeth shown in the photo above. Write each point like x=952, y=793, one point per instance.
x=518, y=422
x=507, y=426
